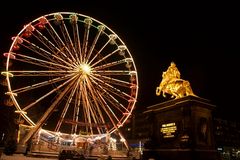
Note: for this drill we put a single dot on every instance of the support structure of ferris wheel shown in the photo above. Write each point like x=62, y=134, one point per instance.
x=70, y=73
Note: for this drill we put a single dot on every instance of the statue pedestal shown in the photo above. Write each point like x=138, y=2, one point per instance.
x=181, y=129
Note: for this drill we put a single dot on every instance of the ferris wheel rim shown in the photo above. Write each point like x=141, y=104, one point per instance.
x=19, y=35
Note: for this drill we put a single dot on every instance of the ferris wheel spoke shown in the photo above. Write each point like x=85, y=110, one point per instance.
x=65, y=109
x=86, y=103
x=97, y=124
x=68, y=45
x=41, y=84
x=32, y=47
x=92, y=116
x=57, y=50
x=113, y=81
x=87, y=25
x=38, y=62
x=105, y=57
x=77, y=103
x=49, y=93
x=42, y=73
x=97, y=106
x=100, y=30
x=76, y=37
x=110, y=98
x=100, y=104
x=115, y=103
x=99, y=52
x=115, y=63
x=113, y=72
x=82, y=100
x=45, y=54
x=95, y=109
x=47, y=113
x=111, y=115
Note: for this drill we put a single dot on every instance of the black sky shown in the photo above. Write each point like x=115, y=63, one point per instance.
x=201, y=38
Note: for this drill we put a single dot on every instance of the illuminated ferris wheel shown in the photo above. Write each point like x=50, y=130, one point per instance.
x=69, y=73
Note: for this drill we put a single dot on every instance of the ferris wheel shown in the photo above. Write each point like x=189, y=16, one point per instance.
x=70, y=73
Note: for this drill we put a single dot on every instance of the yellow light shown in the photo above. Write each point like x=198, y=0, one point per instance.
x=168, y=130
x=7, y=74
x=122, y=140
x=85, y=68
x=21, y=112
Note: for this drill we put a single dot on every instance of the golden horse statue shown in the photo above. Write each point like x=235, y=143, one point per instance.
x=173, y=85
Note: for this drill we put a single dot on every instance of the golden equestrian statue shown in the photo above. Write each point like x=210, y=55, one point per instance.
x=173, y=85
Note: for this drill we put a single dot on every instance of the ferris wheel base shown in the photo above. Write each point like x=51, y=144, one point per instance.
x=44, y=149
x=21, y=149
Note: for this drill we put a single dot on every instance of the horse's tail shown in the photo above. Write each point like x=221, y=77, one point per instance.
x=188, y=88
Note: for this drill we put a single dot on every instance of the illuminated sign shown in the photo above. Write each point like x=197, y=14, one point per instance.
x=168, y=130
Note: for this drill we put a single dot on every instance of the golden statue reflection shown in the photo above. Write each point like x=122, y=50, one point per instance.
x=172, y=84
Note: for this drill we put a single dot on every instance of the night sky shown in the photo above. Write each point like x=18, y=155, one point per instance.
x=201, y=38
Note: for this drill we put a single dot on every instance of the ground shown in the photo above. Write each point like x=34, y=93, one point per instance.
x=22, y=157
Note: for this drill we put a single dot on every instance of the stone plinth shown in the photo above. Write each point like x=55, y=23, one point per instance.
x=181, y=129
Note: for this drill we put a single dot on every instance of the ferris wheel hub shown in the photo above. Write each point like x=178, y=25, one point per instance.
x=85, y=69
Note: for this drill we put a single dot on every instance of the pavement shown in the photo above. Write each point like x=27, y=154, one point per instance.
x=22, y=157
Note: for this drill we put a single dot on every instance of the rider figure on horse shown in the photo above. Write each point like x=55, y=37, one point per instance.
x=172, y=72
x=172, y=83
